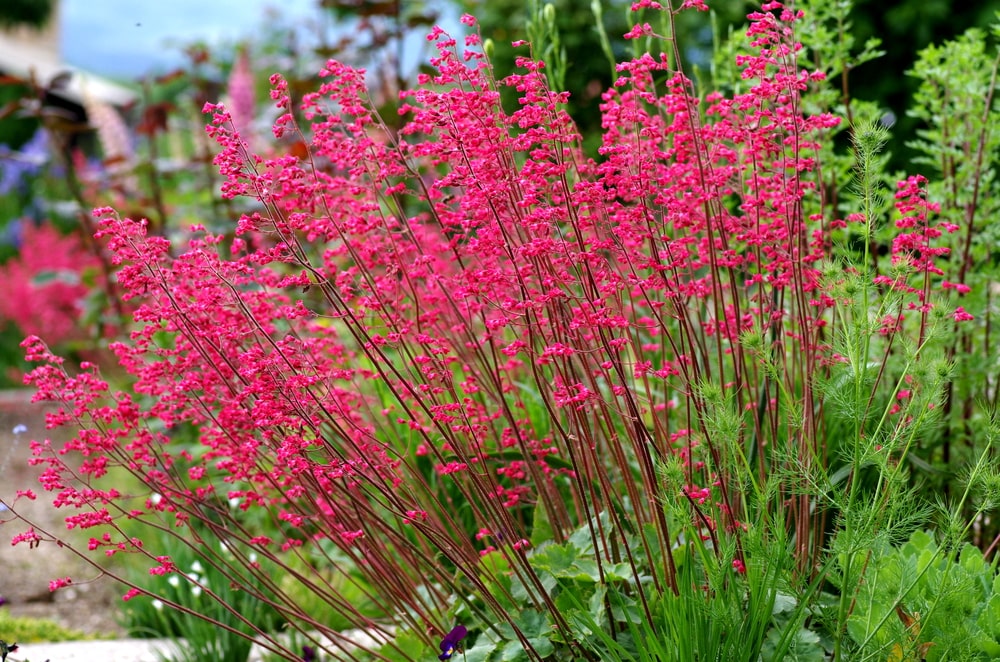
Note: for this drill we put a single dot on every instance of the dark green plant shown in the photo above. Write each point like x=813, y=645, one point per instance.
x=922, y=599
x=30, y=13
x=202, y=606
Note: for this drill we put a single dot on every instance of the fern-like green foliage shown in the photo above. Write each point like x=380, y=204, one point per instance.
x=959, y=147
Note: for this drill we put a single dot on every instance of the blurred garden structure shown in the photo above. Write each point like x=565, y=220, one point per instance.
x=30, y=56
x=29, y=52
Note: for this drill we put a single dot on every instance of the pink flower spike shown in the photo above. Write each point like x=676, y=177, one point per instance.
x=961, y=288
x=962, y=316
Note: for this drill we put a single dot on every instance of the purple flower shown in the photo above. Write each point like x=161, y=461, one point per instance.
x=308, y=654
x=451, y=641
x=3, y=601
x=27, y=162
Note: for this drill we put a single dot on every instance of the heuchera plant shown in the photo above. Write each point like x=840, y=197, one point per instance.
x=464, y=339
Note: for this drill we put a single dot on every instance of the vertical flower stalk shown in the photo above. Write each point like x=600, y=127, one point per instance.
x=241, y=97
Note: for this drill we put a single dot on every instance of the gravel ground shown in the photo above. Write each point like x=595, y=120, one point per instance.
x=90, y=604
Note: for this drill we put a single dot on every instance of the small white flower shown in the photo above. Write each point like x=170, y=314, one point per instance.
x=174, y=580
x=234, y=502
x=20, y=429
x=196, y=567
x=156, y=498
x=253, y=557
x=196, y=591
x=157, y=605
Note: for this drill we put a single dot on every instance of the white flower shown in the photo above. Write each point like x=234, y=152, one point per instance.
x=20, y=429
x=196, y=567
x=158, y=604
x=174, y=580
x=196, y=591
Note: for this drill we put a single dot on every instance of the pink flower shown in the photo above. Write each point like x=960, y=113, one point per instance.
x=961, y=288
x=640, y=30
x=241, y=104
x=46, y=284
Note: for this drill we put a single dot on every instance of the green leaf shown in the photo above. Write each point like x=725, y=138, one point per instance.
x=49, y=276
x=541, y=527
x=533, y=623
x=972, y=560
x=486, y=645
x=618, y=572
x=555, y=559
x=514, y=651
x=989, y=618
x=783, y=603
x=596, y=604
x=582, y=570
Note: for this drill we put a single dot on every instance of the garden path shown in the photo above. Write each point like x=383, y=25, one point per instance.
x=90, y=603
